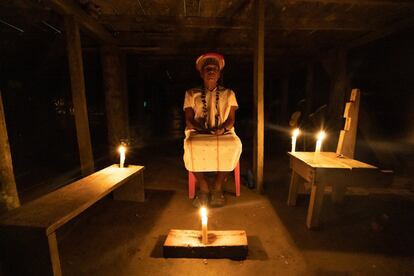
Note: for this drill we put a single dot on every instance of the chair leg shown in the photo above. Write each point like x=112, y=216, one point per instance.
x=191, y=185
x=237, y=178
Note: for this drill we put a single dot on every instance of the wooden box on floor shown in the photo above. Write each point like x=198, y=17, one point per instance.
x=221, y=244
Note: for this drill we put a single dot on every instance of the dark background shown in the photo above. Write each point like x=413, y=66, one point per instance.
x=37, y=99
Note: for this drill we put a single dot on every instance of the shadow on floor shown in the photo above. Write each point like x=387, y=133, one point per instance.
x=112, y=228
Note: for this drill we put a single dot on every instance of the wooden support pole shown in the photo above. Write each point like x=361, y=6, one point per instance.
x=258, y=147
x=284, y=101
x=339, y=85
x=9, y=198
x=309, y=89
x=78, y=95
x=116, y=96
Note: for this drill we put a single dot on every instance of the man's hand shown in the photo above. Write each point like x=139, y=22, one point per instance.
x=218, y=131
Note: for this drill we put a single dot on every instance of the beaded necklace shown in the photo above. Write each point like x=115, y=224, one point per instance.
x=203, y=99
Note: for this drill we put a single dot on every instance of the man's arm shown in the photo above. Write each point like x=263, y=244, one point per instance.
x=229, y=123
x=190, y=122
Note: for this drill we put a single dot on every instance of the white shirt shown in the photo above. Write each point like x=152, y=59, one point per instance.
x=227, y=99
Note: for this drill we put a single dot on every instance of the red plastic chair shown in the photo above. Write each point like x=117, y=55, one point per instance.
x=192, y=181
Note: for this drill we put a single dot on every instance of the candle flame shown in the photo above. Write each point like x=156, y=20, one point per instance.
x=203, y=212
x=321, y=135
x=296, y=132
x=122, y=149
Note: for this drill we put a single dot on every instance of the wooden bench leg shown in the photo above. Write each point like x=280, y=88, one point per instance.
x=293, y=189
x=338, y=192
x=133, y=190
x=315, y=203
x=54, y=254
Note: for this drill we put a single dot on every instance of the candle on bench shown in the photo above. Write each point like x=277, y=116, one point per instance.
x=122, y=150
x=295, y=135
x=204, y=219
x=321, y=135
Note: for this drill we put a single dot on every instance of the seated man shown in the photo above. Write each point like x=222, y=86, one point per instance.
x=210, y=141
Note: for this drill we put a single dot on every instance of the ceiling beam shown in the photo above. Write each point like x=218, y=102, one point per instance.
x=89, y=24
x=383, y=32
x=170, y=23
x=391, y=3
x=173, y=51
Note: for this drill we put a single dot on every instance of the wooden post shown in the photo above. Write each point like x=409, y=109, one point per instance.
x=339, y=85
x=9, y=198
x=309, y=89
x=78, y=95
x=258, y=147
x=116, y=97
x=284, y=101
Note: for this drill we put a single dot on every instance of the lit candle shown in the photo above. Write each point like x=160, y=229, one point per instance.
x=204, y=232
x=122, y=150
x=295, y=135
x=320, y=137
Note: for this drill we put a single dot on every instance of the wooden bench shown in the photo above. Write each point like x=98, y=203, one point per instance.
x=28, y=234
x=337, y=169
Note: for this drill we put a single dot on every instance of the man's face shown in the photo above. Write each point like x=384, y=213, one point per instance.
x=210, y=72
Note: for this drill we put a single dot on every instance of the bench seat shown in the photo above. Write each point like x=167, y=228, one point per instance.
x=28, y=232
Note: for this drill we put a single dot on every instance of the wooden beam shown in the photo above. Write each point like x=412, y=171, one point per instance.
x=9, y=198
x=171, y=23
x=85, y=21
x=382, y=32
x=78, y=94
x=284, y=100
x=309, y=88
x=391, y=3
x=339, y=84
x=116, y=97
x=258, y=147
x=186, y=52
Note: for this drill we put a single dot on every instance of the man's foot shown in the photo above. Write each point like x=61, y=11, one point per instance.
x=200, y=200
x=217, y=199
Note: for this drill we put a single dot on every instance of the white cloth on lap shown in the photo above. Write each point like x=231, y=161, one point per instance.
x=209, y=153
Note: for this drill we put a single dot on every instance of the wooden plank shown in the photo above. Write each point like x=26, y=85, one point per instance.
x=9, y=198
x=131, y=191
x=390, y=3
x=56, y=208
x=329, y=160
x=77, y=82
x=319, y=160
x=405, y=23
x=293, y=189
x=347, y=109
x=258, y=147
x=315, y=202
x=347, y=141
x=54, y=254
x=187, y=25
x=221, y=244
x=302, y=169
